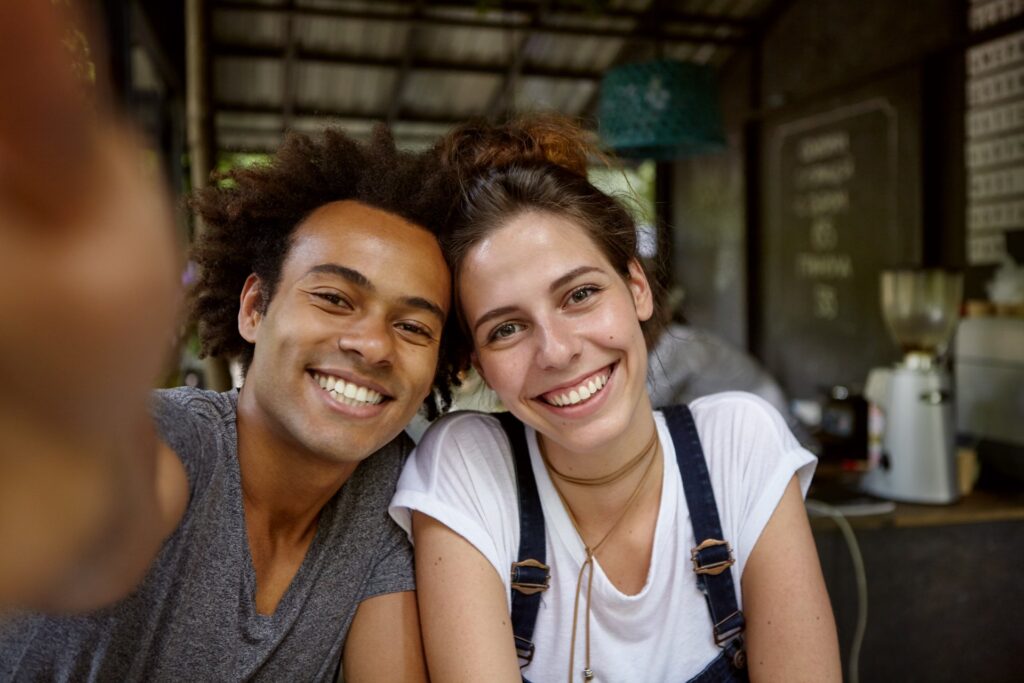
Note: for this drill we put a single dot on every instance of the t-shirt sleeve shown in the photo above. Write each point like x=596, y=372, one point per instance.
x=461, y=474
x=393, y=570
x=196, y=425
x=751, y=456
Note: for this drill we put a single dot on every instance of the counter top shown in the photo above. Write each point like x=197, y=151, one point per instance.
x=977, y=507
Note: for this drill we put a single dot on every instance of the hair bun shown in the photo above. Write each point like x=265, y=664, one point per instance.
x=477, y=147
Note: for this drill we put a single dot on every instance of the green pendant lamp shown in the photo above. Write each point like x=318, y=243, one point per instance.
x=663, y=109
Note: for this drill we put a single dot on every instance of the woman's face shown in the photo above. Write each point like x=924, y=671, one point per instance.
x=556, y=330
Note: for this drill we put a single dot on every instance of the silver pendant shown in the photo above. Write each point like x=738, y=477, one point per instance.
x=588, y=674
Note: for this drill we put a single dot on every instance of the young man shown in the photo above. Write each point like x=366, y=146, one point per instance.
x=248, y=538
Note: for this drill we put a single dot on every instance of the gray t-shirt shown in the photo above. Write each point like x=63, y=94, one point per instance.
x=194, y=615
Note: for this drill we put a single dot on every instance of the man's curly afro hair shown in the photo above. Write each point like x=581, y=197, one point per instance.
x=249, y=221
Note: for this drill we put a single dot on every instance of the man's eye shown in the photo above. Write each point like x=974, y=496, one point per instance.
x=331, y=297
x=415, y=328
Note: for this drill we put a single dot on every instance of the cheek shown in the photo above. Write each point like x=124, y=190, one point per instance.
x=502, y=372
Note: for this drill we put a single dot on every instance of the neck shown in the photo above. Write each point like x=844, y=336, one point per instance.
x=593, y=505
x=610, y=455
x=284, y=486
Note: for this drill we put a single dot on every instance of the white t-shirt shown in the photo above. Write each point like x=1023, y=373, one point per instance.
x=462, y=475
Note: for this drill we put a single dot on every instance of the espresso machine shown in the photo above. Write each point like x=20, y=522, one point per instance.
x=911, y=425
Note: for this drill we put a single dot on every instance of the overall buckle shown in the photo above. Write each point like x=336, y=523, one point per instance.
x=717, y=566
x=530, y=577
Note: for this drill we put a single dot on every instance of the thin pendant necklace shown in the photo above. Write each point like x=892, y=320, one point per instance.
x=651, y=449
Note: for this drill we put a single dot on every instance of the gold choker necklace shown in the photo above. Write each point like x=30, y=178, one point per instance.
x=608, y=478
x=653, y=446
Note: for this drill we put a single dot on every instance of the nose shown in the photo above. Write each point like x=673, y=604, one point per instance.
x=558, y=344
x=369, y=338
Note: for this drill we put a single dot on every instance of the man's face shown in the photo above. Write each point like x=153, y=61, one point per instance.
x=346, y=351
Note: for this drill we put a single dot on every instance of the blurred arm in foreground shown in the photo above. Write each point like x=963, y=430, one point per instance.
x=87, y=298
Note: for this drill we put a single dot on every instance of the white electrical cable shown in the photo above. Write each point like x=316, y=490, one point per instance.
x=816, y=507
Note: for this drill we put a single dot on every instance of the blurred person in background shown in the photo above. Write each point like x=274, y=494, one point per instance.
x=687, y=362
x=234, y=536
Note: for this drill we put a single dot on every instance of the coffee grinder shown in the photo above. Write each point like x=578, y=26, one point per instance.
x=911, y=426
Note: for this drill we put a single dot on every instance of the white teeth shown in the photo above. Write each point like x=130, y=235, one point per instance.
x=348, y=392
x=580, y=393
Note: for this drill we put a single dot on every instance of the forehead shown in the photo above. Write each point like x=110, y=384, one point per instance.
x=392, y=252
x=534, y=237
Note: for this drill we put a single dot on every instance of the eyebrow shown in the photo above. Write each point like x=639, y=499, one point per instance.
x=353, y=276
x=570, y=276
x=554, y=287
x=360, y=280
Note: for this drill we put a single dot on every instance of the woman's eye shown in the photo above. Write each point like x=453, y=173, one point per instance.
x=504, y=331
x=582, y=294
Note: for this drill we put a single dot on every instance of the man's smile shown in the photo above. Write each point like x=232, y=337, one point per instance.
x=348, y=392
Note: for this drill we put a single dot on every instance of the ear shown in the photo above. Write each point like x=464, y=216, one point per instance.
x=250, y=305
x=640, y=288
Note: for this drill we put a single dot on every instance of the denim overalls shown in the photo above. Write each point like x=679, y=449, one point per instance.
x=711, y=558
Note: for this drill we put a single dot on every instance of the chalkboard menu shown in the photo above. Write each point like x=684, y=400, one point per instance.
x=841, y=202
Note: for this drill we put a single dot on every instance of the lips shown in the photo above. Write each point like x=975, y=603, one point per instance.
x=347, y=391
x=579, y=391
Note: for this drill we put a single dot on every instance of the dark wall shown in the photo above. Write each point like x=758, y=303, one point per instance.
x=814, y=54
x=820, y=44
x=942, y=601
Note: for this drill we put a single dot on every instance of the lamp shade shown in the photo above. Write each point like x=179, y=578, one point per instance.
x=662, y=109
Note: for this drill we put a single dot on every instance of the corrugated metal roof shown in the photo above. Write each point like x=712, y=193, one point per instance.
x=425, y=64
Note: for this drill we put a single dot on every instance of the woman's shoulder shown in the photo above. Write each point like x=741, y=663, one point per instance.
x=741, y=411
x=465, y=439
x=463, y=427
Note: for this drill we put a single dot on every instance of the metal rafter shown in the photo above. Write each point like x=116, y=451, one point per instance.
x=405, y=68
x=504, y=97
x=574, y=11
x=224, y=50
x=288, y=82
x=661, y=31
x=227, y=107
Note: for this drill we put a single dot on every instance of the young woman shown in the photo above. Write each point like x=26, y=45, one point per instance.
x=604, y=540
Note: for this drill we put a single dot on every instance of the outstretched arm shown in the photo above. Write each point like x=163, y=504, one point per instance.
x=88, y=290
x=791, y=633
x=466, y=626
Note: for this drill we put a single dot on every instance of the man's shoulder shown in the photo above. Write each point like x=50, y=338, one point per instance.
x=198, y=403
x=196, y=424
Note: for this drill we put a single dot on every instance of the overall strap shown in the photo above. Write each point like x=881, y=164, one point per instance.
x=713, y=555
x=530, y=574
